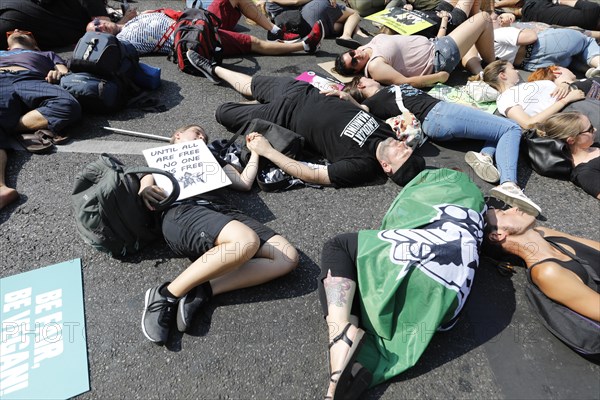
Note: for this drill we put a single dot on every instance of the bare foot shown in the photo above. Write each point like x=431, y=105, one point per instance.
x=338, y=353
x=7, y=196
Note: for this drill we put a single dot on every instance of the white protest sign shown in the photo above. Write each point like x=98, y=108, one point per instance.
x=192, y=164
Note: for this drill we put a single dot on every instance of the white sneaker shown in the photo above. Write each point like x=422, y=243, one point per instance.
x=510, y=193
x=592, y=73
x=483, y=165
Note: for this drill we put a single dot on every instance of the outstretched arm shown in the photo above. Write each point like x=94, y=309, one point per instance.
x=318, y=175
x=387, y=75
x=344, y=96
x=243, y=181
x=565, y=287
x=516, y=113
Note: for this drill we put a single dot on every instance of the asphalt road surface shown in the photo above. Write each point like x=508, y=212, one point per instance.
x=270, y=341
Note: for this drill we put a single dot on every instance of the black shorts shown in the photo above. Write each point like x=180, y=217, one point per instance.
x=190, y=229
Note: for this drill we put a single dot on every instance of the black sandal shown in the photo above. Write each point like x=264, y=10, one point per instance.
x=344, y=381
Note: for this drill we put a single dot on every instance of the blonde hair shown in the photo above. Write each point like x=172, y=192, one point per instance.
x=491, y=73
x=185, y=128
x=561, y=126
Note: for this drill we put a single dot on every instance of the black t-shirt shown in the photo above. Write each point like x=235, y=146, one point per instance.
x=342, y=132
x=383, y=103
x=586, y=84
x=587, y=175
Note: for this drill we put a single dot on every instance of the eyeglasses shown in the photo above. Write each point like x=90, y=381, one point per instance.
x=353, y=59
x=591, y=129
x=18, y=31
x=96, y=22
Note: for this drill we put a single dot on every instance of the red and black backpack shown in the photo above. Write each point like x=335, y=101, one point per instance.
x=198, y=30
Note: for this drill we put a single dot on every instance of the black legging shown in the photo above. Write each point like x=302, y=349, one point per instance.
x=339, y=256
x=585, y=14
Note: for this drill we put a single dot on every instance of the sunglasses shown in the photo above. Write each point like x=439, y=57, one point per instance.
x=96, y=22
x=591, y=129
x=18, y=31
x=353, y=59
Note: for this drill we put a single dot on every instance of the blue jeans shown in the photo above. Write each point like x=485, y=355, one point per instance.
x=449, y=121
x=559, y=47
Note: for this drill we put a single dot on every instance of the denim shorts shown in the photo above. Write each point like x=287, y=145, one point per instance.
x=447, y=54
x=190, y=229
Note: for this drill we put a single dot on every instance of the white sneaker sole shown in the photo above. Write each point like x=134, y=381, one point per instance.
x=146, y=301
x=486, y=172
x=181, y=325
x=515, y=201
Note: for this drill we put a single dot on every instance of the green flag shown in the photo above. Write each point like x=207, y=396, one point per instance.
x=416, y=272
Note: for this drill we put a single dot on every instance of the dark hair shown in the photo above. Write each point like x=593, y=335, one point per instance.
x=353, y=90
x=495, y=253
x=341, y=68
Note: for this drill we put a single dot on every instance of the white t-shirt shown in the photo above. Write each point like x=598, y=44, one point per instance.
x=505, y=43
x=533, y=97
x=146, y=30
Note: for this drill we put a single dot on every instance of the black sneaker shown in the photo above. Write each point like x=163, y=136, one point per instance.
x=189, y=305
x=158, y=316
x=314, y=38
x=203, y=65
x=283, y=36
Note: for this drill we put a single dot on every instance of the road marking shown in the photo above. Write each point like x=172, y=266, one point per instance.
x=106, y=146
x=98, y=147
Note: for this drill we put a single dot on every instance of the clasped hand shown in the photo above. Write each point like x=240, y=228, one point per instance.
x=258, y=144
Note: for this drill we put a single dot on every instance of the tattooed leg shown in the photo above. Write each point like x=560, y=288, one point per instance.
x=340, y=294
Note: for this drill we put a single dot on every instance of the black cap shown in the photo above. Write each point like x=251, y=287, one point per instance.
x=408, y=170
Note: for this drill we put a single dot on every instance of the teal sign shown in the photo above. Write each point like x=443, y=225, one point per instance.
x=43, y=352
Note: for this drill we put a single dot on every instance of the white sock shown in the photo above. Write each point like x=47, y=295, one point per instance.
x=305, y=45
x=275, y=29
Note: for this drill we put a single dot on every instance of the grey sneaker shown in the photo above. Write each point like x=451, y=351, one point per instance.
x=189, y=305
x=510, y=193
x=203, y=65
x=158, y=316
x=483, y=165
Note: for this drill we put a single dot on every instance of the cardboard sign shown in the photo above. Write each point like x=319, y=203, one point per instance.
x=327, y=66
x=43, y=346
x=402, y=21
x=319, y=81
x=192, y=164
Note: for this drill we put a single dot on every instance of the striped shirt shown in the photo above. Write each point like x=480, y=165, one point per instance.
x=145, y=30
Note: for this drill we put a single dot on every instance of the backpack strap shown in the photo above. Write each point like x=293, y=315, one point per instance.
x=399, y=102
x=164, y=38
x=148, y=170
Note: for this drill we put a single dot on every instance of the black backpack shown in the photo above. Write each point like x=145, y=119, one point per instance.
x=104, y=70
x=109, y=213
x=576, y=331
x=198, y=30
